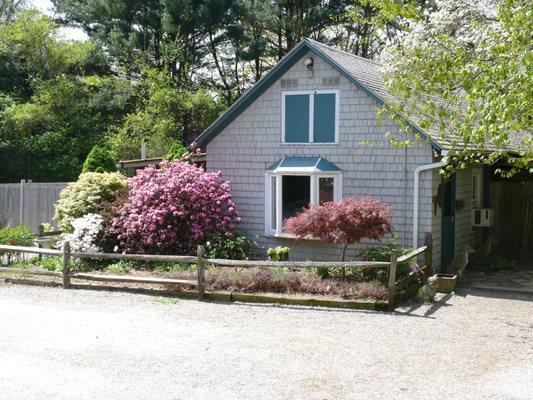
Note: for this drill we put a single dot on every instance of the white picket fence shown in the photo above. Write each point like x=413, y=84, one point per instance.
x=29, y=203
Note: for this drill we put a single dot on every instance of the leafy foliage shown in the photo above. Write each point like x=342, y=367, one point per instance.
x=17, y=236
x=230, y=245
x=165, y=113
x=347, y=221
x=384, y=253
x=279, y=253
x=177, y=150
x=466, y=69
x=99, y=160
x=173, y=209
x=496, y=262
x=52, y=263
x=89, y=194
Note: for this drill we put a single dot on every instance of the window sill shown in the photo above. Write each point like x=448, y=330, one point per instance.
x=291, y=236
x=310, y=143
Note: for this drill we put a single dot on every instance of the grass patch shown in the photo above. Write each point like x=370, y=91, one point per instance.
x=166, y=300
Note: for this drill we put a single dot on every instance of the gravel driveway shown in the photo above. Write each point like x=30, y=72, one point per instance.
x=76, y=344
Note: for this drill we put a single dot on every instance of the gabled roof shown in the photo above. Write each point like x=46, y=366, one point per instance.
x=363, y=73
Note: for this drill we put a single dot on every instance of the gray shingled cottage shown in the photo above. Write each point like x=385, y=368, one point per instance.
x=307, y=132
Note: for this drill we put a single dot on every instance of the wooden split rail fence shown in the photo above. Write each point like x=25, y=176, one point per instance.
x=67, y=274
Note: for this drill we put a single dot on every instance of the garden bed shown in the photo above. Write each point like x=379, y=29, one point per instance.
x=245, y=281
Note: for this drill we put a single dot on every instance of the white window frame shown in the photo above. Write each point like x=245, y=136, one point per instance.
x=311, y=94
x=314, y=192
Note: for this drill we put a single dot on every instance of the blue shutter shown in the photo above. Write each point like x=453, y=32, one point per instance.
x=324, y=118
x=297, y=118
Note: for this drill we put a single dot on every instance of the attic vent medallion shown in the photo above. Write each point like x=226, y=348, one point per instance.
x=331, y=81
x=292, y=82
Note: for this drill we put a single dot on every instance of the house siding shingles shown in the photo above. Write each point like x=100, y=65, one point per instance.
x=251, y=142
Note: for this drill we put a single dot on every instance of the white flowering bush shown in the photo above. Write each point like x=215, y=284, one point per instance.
x=89, y=194
x=87, y=233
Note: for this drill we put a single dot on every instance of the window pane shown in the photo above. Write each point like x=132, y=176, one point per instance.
x=273, y=203
x=296, y=194
x=324, y=118
x=325, y=190
x=297, y=118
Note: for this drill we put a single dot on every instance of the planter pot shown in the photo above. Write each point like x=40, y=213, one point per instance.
x=446, y=282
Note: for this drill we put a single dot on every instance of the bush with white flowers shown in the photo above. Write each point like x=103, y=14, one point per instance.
x=87, y=234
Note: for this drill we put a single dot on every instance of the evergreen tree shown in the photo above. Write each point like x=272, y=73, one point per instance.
x=99, y=160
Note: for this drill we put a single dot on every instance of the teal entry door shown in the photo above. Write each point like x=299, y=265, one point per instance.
x=447, y=196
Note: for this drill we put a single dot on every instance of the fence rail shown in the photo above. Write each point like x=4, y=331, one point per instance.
x=66, y=274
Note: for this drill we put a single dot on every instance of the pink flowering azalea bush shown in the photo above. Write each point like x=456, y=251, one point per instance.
x=348, y=221
x=172, y=209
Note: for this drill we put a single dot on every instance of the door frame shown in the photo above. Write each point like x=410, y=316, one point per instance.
x=448, y=221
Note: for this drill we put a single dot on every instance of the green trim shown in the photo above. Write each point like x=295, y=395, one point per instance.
x=272, y=76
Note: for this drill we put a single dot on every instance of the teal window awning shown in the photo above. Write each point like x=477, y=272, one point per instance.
x=290, y=164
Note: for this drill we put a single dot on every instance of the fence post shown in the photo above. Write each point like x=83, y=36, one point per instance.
x=427, y=259
x=40, y=234
x=392, y=278
x=65, y=272
x=200, y=265
x=21, y=202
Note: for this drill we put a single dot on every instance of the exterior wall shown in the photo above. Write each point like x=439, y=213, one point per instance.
x=251, y=143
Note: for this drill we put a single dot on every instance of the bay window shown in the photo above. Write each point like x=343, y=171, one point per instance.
x=294, y=183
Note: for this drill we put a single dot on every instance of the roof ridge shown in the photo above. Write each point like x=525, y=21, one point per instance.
x=315, y=42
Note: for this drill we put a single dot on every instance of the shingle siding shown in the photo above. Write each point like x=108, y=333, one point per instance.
x=251, y=143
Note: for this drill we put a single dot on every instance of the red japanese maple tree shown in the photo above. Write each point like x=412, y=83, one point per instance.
x=347, y=221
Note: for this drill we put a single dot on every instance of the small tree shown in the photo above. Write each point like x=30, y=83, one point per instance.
x=99, y=160
x=347, y=221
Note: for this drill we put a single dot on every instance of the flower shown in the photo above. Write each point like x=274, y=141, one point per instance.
x=87, y=233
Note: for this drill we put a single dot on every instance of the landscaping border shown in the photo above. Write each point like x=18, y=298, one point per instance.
x=201, y=294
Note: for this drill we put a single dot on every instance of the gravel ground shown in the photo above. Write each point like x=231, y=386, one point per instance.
x=76, y=344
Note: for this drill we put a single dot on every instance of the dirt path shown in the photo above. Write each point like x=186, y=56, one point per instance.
x=75, y=344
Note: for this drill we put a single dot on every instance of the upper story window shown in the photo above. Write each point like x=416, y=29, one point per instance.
x=310, y=116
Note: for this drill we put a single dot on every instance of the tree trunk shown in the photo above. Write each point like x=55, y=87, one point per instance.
x=343, y=270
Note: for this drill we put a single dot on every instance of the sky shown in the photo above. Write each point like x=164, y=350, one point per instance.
x=46, y=7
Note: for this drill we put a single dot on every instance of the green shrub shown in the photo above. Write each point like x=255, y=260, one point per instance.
x=176, y=151
x=17, y=236
x=322, y=272
x=231, y=246
x=99, y=160
x=496, y=262
x=52, y=263
x=280, y=253
x=383, y=253
x=91, y=193
x=122, y=267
